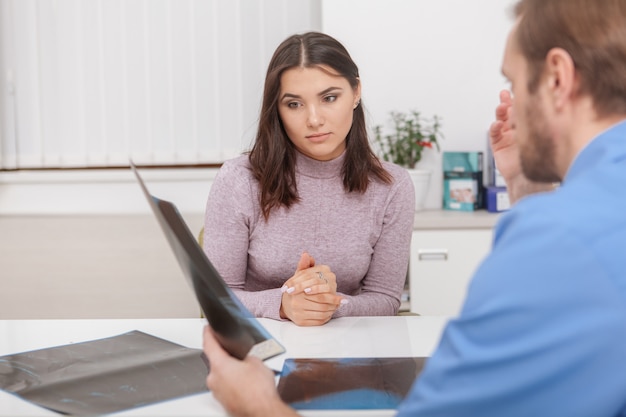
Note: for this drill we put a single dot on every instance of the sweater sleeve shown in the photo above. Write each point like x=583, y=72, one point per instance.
x=230, y=215
x=382, y=287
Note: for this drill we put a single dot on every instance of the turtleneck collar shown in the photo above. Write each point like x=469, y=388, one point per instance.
x=319, y=169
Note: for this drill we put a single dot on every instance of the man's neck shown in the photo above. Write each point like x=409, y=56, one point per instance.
x=583, y=126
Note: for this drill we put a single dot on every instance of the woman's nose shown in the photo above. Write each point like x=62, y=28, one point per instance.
x=314, y=117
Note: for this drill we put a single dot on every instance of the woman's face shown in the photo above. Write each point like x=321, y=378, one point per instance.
x=316, y=108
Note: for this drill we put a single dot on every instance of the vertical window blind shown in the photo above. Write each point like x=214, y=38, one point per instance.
x=90, y=83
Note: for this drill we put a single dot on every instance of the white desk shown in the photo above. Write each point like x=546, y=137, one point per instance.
x=345, y=337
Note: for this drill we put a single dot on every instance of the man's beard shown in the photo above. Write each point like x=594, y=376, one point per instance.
x=538, y=154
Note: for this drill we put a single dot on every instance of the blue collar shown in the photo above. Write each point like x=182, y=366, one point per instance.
x=609, y=145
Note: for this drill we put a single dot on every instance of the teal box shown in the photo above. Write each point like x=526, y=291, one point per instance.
x=463, y=188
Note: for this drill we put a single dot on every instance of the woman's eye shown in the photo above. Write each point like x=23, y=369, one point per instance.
x=293, y=105
x=330, y=99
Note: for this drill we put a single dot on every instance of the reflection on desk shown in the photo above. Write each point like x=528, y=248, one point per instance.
x=400, y=336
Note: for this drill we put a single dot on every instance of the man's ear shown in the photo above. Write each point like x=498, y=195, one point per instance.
x=560, y=77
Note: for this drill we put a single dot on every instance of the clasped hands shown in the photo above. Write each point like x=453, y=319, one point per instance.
x=310, y=295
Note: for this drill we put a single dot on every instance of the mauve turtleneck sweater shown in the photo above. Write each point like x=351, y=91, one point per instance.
x=364, y=238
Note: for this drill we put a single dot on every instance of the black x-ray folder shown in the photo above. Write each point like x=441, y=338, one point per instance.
x=236, y=329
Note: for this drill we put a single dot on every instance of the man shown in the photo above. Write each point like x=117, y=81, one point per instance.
x=543, y=328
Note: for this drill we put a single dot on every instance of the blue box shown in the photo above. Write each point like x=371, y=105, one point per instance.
x=497, y=199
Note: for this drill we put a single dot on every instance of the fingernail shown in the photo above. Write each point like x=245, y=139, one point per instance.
x=290, y=290
x=307, y=290
x=344, y=301
x=283, y=288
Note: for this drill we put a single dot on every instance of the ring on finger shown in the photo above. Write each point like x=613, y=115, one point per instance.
x=321, y=276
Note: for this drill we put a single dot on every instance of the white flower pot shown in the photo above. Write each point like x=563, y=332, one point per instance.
x=421, y=182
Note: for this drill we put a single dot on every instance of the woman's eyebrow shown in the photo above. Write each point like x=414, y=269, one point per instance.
x=328, y=90
x=289, y=95
x=321, y=93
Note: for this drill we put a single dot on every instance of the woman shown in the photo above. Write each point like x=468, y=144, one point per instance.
x=310, y=225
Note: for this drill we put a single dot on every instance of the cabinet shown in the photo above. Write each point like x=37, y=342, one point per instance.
x=446, y=248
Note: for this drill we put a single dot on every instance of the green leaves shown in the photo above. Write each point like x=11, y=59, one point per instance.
x=412, y=134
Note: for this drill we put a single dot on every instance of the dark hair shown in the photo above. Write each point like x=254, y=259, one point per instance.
x=273, y=156
x=592, y=33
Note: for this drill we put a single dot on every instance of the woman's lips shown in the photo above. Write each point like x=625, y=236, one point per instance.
x=318, y=137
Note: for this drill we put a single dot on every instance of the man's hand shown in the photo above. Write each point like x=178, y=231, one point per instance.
x=502, y=139
x=507, y=154
x=245, y=388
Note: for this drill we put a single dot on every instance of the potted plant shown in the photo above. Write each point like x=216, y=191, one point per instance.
x=411, y=135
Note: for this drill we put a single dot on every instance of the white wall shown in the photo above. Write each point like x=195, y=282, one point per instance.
x=438, y=57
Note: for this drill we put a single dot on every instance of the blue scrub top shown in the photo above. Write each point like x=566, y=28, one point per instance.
x=543, y=328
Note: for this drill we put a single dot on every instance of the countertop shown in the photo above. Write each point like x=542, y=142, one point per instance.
x=448, y=219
